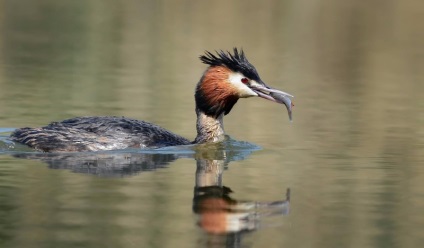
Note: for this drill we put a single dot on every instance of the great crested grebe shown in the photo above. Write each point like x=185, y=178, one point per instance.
x=228, y=78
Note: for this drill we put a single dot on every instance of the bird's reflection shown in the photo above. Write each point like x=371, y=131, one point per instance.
x=224, y=219
x=103, y=164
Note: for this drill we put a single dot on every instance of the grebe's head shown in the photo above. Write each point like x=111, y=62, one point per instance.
x=228, y=78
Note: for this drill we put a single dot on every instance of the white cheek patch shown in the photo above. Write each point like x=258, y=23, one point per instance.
x=242, y=89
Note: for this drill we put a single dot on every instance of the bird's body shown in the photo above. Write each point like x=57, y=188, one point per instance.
x=96, y=133
x=228, y=78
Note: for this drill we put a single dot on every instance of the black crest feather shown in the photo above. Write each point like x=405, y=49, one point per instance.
x=235, y=62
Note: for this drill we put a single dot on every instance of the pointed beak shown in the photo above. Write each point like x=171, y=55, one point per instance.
x=274, y=95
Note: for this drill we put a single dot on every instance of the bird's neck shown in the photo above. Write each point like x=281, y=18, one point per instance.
x=214, y=98
x=209, y=128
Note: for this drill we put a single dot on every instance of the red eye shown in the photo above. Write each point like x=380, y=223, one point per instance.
x=244, y=80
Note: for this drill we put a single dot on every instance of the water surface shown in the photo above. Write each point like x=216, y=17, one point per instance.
x=353, y=156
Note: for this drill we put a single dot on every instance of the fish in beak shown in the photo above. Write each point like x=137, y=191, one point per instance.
x=274, y=95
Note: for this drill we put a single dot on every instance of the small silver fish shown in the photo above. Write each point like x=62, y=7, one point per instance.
x=284, y=99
